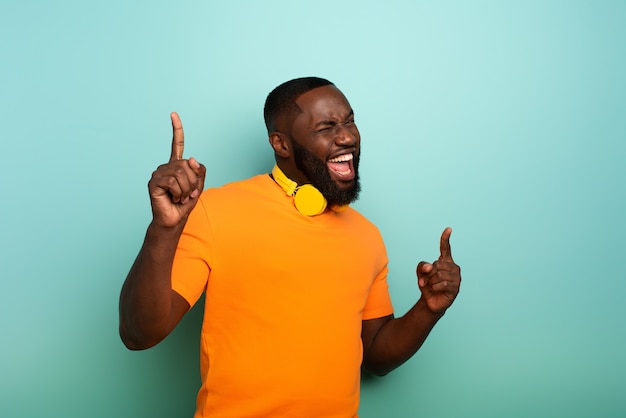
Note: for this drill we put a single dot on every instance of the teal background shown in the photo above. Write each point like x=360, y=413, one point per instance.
x=504, y=120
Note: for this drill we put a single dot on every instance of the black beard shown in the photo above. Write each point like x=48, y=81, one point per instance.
x=317, y=173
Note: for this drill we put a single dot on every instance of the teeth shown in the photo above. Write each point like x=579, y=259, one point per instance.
x=341, y=158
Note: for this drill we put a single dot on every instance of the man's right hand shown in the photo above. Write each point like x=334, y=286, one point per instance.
x=175, y=186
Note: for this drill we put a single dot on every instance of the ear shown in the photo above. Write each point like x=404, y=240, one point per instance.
x=280, y=143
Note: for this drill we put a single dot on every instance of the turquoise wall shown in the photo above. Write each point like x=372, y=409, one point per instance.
x=504, y=120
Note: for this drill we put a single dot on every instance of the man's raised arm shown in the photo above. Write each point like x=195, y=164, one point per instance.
x=149, y=308
x=388, y=342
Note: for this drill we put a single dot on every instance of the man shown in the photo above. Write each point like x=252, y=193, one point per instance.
x=295, y=281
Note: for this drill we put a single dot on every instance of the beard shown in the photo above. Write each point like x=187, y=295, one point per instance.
x=317, y=173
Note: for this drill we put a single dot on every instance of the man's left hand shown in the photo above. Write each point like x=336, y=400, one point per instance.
x=440, y=281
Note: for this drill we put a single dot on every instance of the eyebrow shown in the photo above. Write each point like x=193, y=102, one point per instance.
x=332, y=122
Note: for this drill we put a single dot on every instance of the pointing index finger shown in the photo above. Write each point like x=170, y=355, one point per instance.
x=178, y=138
x=444, y=245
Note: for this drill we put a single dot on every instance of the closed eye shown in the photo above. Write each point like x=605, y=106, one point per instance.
x=350, y=118
x=327, y=125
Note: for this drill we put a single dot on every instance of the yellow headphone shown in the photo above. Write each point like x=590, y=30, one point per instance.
x=308, y=200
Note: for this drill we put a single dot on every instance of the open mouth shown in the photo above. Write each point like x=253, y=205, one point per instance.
x=342, y=167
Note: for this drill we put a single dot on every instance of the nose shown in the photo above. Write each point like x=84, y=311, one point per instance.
x=347, y=135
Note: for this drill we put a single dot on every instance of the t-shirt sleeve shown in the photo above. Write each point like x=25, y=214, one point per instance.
x=378, y=302
x=191, y=267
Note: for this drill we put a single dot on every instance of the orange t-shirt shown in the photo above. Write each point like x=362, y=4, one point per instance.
x=285, y=298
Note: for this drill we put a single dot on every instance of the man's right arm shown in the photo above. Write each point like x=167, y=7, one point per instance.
x=149, y=308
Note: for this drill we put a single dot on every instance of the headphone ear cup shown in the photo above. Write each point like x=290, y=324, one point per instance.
x=309, y=201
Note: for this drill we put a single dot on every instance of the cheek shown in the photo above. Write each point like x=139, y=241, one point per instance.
x=322, y=147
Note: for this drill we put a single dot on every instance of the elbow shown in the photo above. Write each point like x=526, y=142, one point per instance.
x=136, y=344
x=377, y=371
x=377, y=368
x=131, y=344
x=133, y=341
x=381, y=372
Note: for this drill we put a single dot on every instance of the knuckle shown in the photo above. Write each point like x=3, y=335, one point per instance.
x=156, y=173
x=171, y=182
x=179, y=171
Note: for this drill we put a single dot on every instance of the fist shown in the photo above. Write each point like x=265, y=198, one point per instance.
x=176, y=185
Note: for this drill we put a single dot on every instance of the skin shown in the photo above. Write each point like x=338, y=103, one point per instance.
x=150, y=309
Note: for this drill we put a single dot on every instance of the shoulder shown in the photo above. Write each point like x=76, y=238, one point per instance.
x=241, y=198
x=352, y=215
x=260, y=183
x=359, y=222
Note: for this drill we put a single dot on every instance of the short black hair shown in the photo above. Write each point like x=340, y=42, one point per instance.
x=283, y=98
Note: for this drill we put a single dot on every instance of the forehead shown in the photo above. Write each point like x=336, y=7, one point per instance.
x=326, y=102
